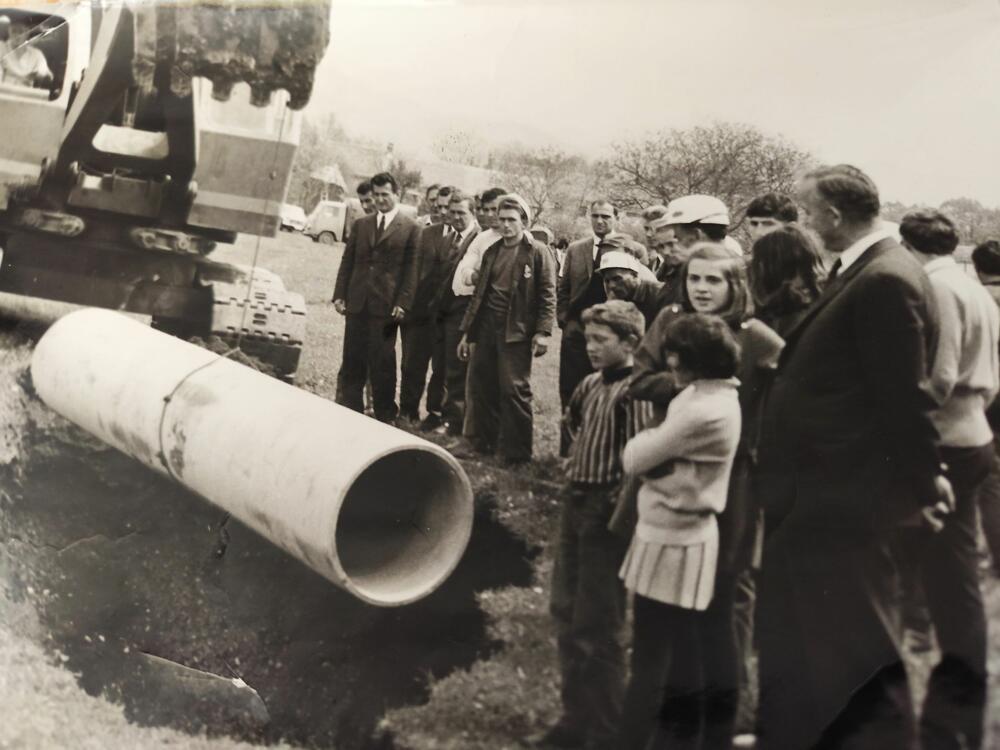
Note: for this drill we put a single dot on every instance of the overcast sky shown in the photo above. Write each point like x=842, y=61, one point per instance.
x=908, y=90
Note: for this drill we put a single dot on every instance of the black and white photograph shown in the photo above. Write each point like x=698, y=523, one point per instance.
x=500, y=374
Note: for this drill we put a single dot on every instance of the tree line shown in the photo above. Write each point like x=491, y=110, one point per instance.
x=732, y=161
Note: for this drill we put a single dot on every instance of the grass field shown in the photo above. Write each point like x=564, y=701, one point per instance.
x=500, y=700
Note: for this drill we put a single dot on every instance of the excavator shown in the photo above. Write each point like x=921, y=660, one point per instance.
x=135, y=138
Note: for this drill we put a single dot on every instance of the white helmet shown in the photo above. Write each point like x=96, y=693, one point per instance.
x=697, y=209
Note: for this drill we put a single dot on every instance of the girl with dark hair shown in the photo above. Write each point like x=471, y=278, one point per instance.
x=713, y=281
x=785, y=272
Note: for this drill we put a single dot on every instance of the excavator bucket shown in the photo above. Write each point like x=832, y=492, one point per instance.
x=269, y=46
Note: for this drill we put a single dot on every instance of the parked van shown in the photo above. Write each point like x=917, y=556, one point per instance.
x=326, y=222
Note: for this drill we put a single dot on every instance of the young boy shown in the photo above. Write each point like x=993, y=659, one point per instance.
x=588, y=599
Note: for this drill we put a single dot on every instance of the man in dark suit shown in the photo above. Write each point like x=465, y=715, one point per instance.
x=417, y=332
x=449, y=309
x=848, y=454
x=579, y=288
x=375, y=287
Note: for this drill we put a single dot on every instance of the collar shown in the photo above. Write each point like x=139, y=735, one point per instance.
x=855, y=251
x=389, y=215
x=614, y=374
x=939, y=263
x=468, y=230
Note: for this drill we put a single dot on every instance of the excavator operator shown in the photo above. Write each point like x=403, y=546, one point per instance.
x=21, y=63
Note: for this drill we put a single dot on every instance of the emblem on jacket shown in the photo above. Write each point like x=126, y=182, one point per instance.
x=527, y=271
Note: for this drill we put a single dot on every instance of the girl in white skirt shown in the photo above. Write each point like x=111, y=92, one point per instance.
x=685, y=464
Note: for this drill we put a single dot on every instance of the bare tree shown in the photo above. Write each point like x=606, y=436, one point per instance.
x=733, y=162
x=461, y=147
x=975, y=221
x=547, y=177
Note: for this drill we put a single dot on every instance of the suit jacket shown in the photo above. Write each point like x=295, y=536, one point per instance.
x=382, y=274
x=846, y=439
x=444, y=296
x=578, y=267
x=533, y=294
x=431, y=248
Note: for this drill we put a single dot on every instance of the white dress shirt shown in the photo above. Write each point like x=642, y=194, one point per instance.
x=389, y=216
x=856, y=250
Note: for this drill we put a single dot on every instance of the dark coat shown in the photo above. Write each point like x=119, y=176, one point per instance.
x=533, y=293
x=578, y=267
x=383, y=275
x=846, y=436
x=444, y=297
x=431, y=249
x=847, y=449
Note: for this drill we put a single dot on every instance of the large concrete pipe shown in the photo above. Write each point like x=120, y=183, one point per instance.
x=377, y=511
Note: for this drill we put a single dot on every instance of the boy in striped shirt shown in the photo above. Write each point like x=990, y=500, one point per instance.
x=588, y=599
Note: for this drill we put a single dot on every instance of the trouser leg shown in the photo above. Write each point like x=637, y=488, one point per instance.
x=382, y=365
x=574, y=366
x=721, y=659
x=662, y=701
x=417, y=338
x=744, y=605
x=436, y=384
x=516, y=422
x=954, y=708
x=455, y=371
x=354, y=365
x=483, y=388
x=989, y=506
x=588, y=605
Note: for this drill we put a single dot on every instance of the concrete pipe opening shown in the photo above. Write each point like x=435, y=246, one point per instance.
x=403, y=525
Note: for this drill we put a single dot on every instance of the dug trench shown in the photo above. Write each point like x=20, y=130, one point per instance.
x=186, y=618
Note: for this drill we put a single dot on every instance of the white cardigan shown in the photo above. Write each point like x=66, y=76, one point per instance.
x=697, y=443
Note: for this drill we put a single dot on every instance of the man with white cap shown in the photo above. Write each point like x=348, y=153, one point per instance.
x=510, y=320
x=688, y=220
x=626, y=279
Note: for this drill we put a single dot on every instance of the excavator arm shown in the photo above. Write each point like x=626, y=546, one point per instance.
x=161, y=155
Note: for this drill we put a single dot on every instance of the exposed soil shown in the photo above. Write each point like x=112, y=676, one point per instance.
x=118, y=563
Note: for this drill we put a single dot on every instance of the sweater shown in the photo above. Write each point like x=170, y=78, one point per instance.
x=697, y=441
x=601, y=417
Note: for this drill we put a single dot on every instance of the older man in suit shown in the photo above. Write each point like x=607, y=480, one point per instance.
x=579, y=288
x=375, y=288
x=449, y=308
x=418, y=331
x=848, y=454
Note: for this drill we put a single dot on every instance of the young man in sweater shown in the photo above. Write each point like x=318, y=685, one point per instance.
x=509, y=319
x=964, y=381
x=588, y=599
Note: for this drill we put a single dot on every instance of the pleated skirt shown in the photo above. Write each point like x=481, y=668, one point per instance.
x=682, y=575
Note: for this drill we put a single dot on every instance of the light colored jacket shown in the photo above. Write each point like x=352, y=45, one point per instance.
x=463, y=284
x=964, y=379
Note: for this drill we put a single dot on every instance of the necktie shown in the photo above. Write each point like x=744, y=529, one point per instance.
x=380, y=227
x=833, y=272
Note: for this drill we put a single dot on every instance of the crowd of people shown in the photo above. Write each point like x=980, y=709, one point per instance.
x=777, y=455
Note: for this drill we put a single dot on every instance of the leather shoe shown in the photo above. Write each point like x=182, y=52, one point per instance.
x=431, y=422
